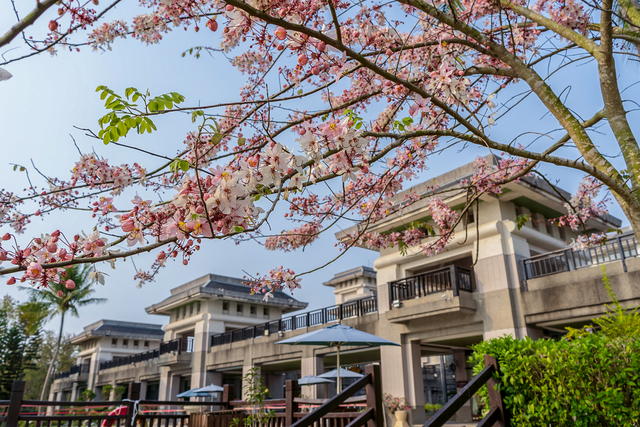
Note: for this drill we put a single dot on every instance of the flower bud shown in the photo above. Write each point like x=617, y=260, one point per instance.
x=53, y=25
x=70, y=284
x=11, y=281
x=212, y=25
x=60, y=294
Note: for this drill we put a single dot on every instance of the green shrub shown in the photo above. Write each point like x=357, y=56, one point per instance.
x=590, y=381
x=432, y=407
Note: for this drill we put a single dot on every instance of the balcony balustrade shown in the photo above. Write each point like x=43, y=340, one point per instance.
x=318, y=317
x=617, y=249
x=447, y=278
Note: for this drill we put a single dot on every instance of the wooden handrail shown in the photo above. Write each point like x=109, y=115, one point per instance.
x=497, y=413
x=452, y=406
x=333, y=403
x=362, y=419
x=105, y=403
x=304, y=401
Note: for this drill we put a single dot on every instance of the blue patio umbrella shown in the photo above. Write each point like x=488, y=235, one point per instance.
x=344, y=373
x=311, y=380
x=192, y=393
x=211, y=388
x=336, y=336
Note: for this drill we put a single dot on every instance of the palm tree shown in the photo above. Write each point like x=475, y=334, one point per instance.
x=57, y=298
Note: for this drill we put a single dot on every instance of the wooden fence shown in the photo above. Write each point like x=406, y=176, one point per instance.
x=343, y=410
x=498, y=415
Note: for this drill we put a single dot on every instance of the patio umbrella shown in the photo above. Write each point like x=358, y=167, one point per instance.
x=344, y=373
x=311, y=380
x=211, y=388
x=191, y=393
x=336, y=336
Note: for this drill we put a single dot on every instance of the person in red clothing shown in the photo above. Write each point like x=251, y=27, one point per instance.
x=120, y=410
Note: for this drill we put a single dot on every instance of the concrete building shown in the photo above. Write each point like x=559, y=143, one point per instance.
x=493, y=279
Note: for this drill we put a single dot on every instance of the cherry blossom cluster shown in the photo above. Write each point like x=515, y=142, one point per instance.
x=277, y=279
x=488, y=178
x=293, y=239
x=584, y=204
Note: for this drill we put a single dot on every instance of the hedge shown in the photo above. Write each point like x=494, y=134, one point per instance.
x=589, y=381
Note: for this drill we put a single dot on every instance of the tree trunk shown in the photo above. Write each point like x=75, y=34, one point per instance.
x=53, y=360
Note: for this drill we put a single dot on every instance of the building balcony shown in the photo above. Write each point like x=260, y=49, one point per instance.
x=77, y=373
x=178, y=351
x=617, y=249
x=435, y=292
x=335, y=313
x=565, y=288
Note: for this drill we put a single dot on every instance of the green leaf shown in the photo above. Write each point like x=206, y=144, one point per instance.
x=184, y=165
x=238, y=229
x=241, y=141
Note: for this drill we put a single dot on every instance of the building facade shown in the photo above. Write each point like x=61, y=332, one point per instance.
x=497, y=277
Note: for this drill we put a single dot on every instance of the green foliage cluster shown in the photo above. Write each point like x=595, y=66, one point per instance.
x=432, y=407
x=86, y=396
x=616, y=323
x=586, y=379
x=592, y=381
x=66, y=358
x=255, y=393
x=125, y=114
x=20, y=341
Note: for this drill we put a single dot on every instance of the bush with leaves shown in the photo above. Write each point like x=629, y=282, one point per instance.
x=256, y=393
x=586, y=379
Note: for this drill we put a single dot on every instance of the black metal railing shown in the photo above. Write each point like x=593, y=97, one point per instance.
x=617, y=249
x=128, y=360
x=434, y=281
x=178, y=345
x=321, y=316
x=77, y=369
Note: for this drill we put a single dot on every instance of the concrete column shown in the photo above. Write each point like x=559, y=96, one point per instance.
x=174, y=387
x=312, y=365
x=165, y=383
x=74, y=392
x=143, y=389
x=201, y=346
x=460, y=360
x=391, y=369
x=414, y=387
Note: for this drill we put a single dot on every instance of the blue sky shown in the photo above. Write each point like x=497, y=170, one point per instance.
x=49, y=95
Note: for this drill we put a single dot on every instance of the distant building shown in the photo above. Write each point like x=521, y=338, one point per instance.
x=493, y=279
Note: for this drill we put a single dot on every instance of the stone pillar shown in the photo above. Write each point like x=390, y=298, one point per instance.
x=174, y=388
x=312, y=365
x=143, y=389
x=245, y=370
x=165, y=383
x=75, y=392
x=460, y=360
x=414, y=384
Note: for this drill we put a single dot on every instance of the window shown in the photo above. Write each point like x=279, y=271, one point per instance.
x=225, y=307
x=253, y=310
x=184, y=311
x=239, y=309
x=198, y=307
x=146, y=343
x=136, y=343
x=114, y=342
x=191, y=310
x=125, y=343
x=177, y=314
x=265, y=312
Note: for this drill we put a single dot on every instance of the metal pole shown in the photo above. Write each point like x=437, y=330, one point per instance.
x=338, y=362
